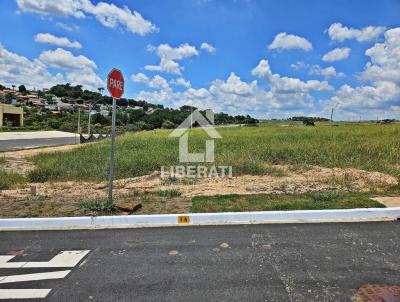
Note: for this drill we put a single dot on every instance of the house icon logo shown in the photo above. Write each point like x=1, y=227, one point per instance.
x=207, y=124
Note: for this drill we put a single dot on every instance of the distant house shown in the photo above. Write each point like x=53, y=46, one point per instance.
x=8, y=91
x=11, y=115
x=151, y=110
x=61, y=106
x=134, y=108
x=36, y=102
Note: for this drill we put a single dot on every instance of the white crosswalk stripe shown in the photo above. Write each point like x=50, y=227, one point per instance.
x=34, y=277
x=23, y=293
x=63, y=259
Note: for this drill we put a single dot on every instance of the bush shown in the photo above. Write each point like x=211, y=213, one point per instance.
x=325, y=196
x=10, y=180
x=38, y=175
x=168, y=125
x=98, y=205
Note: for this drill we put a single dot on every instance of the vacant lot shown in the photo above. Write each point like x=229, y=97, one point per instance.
x=276, y=166
x=250, y=150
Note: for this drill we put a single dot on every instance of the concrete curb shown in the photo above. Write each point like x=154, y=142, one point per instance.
x=139, y=221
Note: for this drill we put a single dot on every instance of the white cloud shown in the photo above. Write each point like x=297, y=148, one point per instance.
x=183, y=51
x=86, y=77
x=326, y=72
x=337, y=54
x=208, y=47
x=361, y=99
x=385, y=59
x=289, y=41
x=233, y=85
x=338, y=32
x=61, y=58
x=67, y=27
x=181, y=82
x=157, y=82
x=262, y=69
x=281, y=84
x=79, y=70
x=140, y=78
x=315, y=69
x=59, y=41
x=18, y=70
x=382, y=92
x=107, y=14
x=56, y=8
x=167, y=66
x=287, y=96
x=169, y=55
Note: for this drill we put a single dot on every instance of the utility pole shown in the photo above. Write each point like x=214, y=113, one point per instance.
x=90, y=109
x=332, y=115
x=79, y=120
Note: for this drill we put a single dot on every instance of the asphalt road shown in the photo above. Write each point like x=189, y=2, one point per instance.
x=17, y=144
x=296, y=262
x=32, y=139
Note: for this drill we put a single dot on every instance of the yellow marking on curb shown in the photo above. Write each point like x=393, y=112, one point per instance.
x=184, y=219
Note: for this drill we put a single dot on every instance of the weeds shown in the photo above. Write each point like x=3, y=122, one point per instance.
x=11, y=180
x=168, y=193
x=98, y=205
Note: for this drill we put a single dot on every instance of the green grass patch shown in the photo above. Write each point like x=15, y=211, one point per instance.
x=2, y=160
x=168, y=193
x=11, y=180
x=270, y=202
x=250, y=150
x=100, y=205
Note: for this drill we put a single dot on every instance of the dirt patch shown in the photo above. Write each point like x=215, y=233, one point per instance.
x=18, y=161
x=389, y=201
x=299, y=181
x=63, y=198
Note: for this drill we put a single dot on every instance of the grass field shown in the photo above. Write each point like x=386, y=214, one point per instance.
x=273, y=202
x=366, y=146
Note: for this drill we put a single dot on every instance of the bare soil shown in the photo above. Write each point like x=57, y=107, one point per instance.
x=18, y=161
x=63, y=198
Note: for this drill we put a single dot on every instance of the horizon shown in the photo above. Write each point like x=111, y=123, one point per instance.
x=239, y=57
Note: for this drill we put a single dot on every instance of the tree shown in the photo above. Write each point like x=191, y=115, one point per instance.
x=22, y=89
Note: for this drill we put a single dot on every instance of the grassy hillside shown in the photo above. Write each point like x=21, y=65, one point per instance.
x=248, y=149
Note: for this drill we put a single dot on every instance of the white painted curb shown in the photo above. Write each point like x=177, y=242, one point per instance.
x=138, y=221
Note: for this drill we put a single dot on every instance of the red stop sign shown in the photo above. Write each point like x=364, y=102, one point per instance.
x=115, y=83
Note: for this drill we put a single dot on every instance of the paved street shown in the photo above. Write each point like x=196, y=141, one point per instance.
x=292, y=262
x=26, y=140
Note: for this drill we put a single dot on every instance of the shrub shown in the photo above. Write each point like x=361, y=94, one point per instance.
x=10, y=180
x=98, y=205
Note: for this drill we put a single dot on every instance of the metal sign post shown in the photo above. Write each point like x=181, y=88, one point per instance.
x=115, y=85
x=111, y=176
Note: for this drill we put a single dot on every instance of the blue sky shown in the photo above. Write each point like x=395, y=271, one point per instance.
x=270, y=59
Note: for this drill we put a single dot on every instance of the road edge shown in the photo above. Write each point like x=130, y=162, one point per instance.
x=167, y=220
